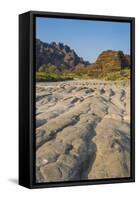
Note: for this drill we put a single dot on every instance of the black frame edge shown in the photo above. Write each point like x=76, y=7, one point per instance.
x=81, y=15
x=24, y=96
x=133, y=98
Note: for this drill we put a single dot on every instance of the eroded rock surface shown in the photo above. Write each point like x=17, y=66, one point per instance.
x=111, y=60
x=82, y=130
x=56, y=54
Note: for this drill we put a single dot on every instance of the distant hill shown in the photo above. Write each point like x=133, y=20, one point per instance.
x=112, y=60
x=61, y=57
x=56, y=54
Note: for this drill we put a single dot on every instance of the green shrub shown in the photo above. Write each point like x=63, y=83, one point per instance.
x=52, y=74
x=118, y=75
x=43, y=76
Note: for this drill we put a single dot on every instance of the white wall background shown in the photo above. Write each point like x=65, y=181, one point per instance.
x=9, y=10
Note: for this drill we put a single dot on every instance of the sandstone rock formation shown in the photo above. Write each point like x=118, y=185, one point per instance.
x=56, y=54
x=112, y=60
x=128, y=59
x=83, y=130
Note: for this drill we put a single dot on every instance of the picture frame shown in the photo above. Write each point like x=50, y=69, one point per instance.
x=27, y=99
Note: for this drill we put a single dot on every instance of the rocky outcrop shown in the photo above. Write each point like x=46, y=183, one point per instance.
x=128, y=59
x=112, y=60
x=59, y=55
x=83, y=130
x=56, y=54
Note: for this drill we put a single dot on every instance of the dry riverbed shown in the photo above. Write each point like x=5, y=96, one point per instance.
x=82, y=130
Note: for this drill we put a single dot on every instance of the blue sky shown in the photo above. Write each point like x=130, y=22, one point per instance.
x=88, y=38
